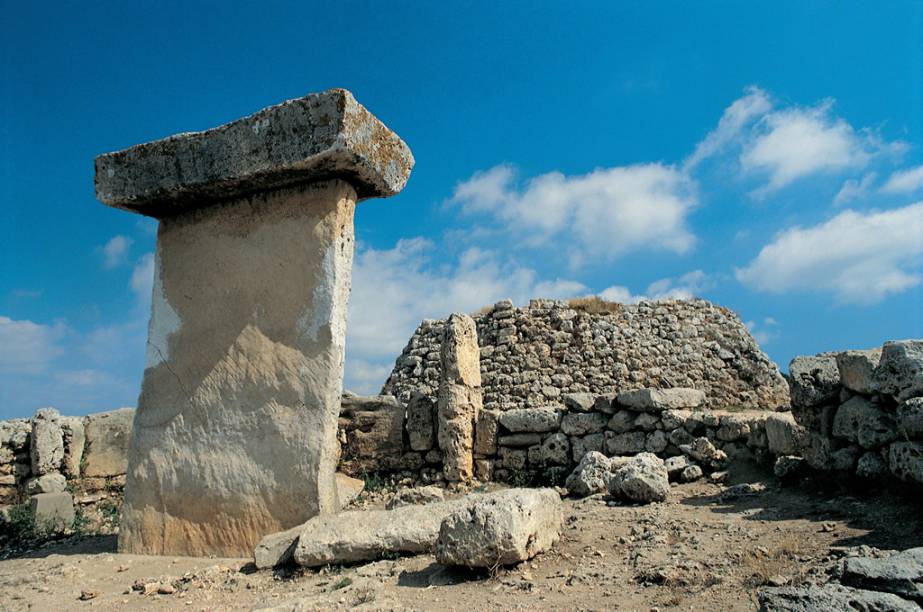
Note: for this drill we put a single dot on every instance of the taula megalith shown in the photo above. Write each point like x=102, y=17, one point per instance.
x=235, y=432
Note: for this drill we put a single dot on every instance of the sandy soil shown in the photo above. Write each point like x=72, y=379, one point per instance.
x=701, y=550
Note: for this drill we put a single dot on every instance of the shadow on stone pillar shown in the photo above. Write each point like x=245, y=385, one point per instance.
x=235, y=433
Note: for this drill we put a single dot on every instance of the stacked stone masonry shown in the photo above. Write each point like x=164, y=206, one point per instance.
x=533, y=356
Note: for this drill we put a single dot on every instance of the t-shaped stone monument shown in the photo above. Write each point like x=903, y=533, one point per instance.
x=235, y=433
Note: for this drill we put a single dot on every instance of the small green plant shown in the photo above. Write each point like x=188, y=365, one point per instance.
x=373, y=481
x=112, y=486
x=23, y=530
x=81, y=524
x=110, y=512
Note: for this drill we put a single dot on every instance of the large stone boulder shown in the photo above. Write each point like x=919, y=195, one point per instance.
x=861, y=422
x=46, y=442
x=783, y=435
x=503, y=528
x=591, y=475
x=108, y=435
x=910, y=418
x=900, y=371
x=857, y=369
x=658, y=400
x=814, y=380
x=643, y=478
x=901, y=574
x=830, y=597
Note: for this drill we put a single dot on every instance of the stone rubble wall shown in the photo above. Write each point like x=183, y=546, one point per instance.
x=861, y=412
x=531, y=357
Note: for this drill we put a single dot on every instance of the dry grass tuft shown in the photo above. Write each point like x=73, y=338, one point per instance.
x=593, y=304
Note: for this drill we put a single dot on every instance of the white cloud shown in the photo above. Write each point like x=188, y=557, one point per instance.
x=115, y=251
x=602, y=214
x=736, y=117
x=854, y=189
x=27, y=347
x=763, y=332
x=686, y=287
x=904, y=181
x=796, y=142
x=142, y=279
x=395, y=289
x=860, y=258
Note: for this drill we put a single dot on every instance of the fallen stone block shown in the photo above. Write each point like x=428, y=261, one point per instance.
x=591, y=475
x=657, y=400
x=900, y=574
x=643, y=478
x=830, y=597
x=676, y=465
x=503, y=528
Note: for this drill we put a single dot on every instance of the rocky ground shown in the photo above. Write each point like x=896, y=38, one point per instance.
x=710, y=547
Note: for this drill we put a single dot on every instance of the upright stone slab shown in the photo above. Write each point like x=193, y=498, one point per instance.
x=459, y=396
x=235, y=433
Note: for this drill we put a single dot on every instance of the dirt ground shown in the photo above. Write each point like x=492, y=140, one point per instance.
x=702, y=550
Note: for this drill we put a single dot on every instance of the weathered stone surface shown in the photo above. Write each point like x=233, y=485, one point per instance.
x=531, y=420
x=580, y=446
x=626, y=443
x=502, y=528
x=900, y=574
x=485, y=432
x=365, y=535
x=657, y=400
x=828, y=598
x=46, y=442
x=871, y=465
x=373, y=427
x=579, y=402
x=235, y=434
x=318, y=137
x=702, y=450
x=276, y=548
x=622, y=421
x=733, y=427
x=520, y=439
x=900, y=371
x=787, y=465
x=673, y=419
x=348, y=489
x=676, y=465
x=554, y=450
x=690, y=474
x=646, y=421
x=108, y=435
x=857, y=368
x=643, y=478
x=580, y=424
x=905, y=459
x=421, y=422
x=591, y=475
x=409, y=496
x=814, y=380
x=656, y=442
x=74, y=444
x=49, y=483
x=459, y=399
x=605, y=403
x=862, y=422
x=783, y=435
x=52, y=511
x=910, y=418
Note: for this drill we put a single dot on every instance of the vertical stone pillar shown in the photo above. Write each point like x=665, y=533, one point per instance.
x=459, y=396
x=235, y=432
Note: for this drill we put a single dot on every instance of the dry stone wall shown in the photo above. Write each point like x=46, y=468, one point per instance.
x=533, y=356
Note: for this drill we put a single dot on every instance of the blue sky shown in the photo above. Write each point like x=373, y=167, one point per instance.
x=767, y=156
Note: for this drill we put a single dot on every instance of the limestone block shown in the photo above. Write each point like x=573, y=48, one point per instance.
x=47, y=483
x=690, y=474
x=626, y=443
x=579, y=402
x=348, y=489
x=74, y=444
x=862, y=422
x=52, y=511
x=421, y=422
x=485, y=434
x=459, y=399
x=856, y=369
x=321, y=136
x=554, y=450
x=643, y=478
x=658, y=400
x=579, y=424
x=46, y=442
x=622, y=421
x=531, y=420
x=675, y=466
x=503, y=528
x=905, y=459
x=673, y=419
x=783, y=435
x=520, y=439
x=591, y=475
x=656, y=442
x=374, y=428
x=900, y=371
x=900, y=574
x=580, y=446
x=646, y=421
x=830, y=597
x=409, y=496
x=814, y=380
x=703, y=451
x=365, y=535
x=733, y=427
x=910, y=418
x=605, y=403
x=108, y=435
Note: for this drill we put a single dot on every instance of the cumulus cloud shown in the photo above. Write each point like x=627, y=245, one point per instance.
x=764, y=331
x=27, y=347
x=115, y=251
x=395, y=289
x=604, y=213
x=860, y=257
x=741, y=113
x=142, y=279
x=904, y=181
x=686, y=287
x=854, y=189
